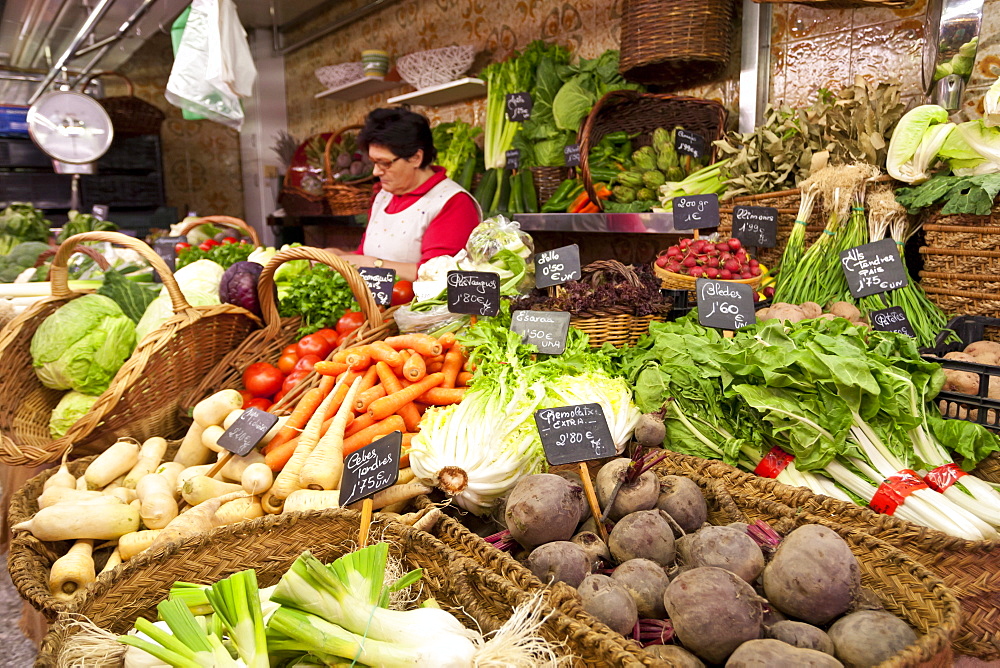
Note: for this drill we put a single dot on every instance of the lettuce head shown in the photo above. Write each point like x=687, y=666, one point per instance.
x=915, y=143
x=82, y=345
x=70, y=408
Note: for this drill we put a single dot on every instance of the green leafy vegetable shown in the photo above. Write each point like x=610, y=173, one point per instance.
x=455, y=143
x=19, y=223
x=960, y=194
x=133, y=298
x=321, y=296
x=70, y=408
x=79, y=223
x=225, y=255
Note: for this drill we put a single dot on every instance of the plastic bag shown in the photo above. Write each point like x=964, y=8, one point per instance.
x=498, y=244
x=436, y=319
x=213, y=67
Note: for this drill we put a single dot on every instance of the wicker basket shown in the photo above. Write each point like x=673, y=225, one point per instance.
x=335, y=76
x=842, y=4
x=143, y=396
x=671, y=281
x=547, y=179
x=642, y=113
x=302, y=188
x=787, y=204
x=970, y=569
x=676, y=43
x=345, y=199
x=477, y=596
x=130, y=115
x=225, y=221
x=424, y=69
x=266, y=344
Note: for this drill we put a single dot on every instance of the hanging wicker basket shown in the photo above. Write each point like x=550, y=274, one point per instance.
x=345, y=199
x=130, y=115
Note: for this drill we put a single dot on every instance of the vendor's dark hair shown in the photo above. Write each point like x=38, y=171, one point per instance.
x=401, y=131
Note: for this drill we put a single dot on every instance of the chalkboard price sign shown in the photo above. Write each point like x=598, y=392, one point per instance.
x=380, y=281
x=690, y=143
x=695, y=212
x=371, y=469
x=165, y=247
x=892, y=319
x=99, y=211
x=756, y=225
x=724, y=304
x=545, y=329
x=519, y=107
x=873, y=268
x=558, y=265
x=571, y=153
x=474, y=292
x=248, y=430
x=573, y=434
x=513, y=158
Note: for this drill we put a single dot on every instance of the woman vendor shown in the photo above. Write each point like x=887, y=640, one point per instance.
x=417, y=212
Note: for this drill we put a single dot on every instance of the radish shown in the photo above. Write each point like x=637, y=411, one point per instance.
x=689, y=261
x=726, y=275
x=662, y=261
x=732, y=265
x=712, y=272
x=695, y=271
x=735, y=244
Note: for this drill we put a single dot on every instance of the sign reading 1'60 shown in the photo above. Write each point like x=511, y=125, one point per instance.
x=556, y=266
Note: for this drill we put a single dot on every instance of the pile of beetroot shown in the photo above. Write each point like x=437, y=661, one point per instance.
x=726, y=260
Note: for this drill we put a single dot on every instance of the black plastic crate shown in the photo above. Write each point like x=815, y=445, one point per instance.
x=122, y=191
x=975, y=408
x=132, y=155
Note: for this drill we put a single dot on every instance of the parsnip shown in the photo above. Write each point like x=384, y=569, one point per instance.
x=214, y=409
x=158, y=505
x=271, y=504
x=54, y=495
x=114, y=559
x=150, y=455
x=396, y=494
x=73, y=571
x=68, y=521
x=234, y=468
x=238, y=510
x=257, y=478
x=311, y=499
x=191, y=452
x=197, y=519
x=116, y=461
x=133, y=543
x=202, y=488
x=210, y=438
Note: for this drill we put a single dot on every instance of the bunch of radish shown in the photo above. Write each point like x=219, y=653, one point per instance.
x=725, y=260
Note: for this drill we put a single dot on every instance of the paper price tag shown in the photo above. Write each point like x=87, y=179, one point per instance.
x=546, y=330
x=573, y=434
x=248, y=430
x=474, y=292
x=873, y=268
x=371, y=469
x=558, y=265
x=724, y=304
x=380, y=281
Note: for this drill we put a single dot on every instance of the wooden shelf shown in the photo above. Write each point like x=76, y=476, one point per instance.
x=446, y=93
x=356, y=90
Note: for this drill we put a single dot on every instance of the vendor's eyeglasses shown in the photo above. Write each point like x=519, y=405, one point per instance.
x=384, y=165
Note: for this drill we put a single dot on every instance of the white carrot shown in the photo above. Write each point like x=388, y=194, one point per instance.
x=114, y=559
x=73, y=571
x=311, y=499
x=326, y=462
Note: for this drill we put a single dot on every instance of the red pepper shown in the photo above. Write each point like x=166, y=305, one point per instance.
x=181, y=245
x=229, y=240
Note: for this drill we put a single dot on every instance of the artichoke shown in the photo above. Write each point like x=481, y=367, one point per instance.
x=631, y=179
x=645, y=195
x=624, y=194
x=653, y=179
x=645, y=158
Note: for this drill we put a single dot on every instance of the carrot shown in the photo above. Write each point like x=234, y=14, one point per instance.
x=442, y=396
x=328, y=368
x=377, y=430
x=434, y=358
x=326, y=461
x=434, y=367
x=407, y=438
x=278, y=456
x=359, y=358
x=383, y=352
x=326, y=384
x=414, y=369
x=463, y=379
x=424, y=344
x=362, y=421
x=390, y=403
x=307, y=405
x=364, y=399
x=453, y=362
x=341, y=355
x=393, y=384
x=447, y=340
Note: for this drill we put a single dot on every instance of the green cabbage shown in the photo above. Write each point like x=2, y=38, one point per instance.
x=70, y=408
x=82, y=345
x=199, y=283
x=916, y=141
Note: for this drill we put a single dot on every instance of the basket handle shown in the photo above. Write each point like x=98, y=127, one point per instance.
x=59, y=274
x=266, y=290
x=331, y=140
x=128, y=82
x=86, y=250
x=587, y=129
x=226, y=221
x=615, y=266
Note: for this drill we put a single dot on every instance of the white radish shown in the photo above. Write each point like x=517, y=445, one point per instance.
x=197, y=519
x=234, y=468
x=116, y=461
x=170, y=471
x=191, y=451
x=191, y=472
x=61, y=478
x=150, y=455
x=66, y=521
x=231, y=418
x=210, y=438
x=214, y=409
x=54, y=495
x=124, y=493
x=133, y=543
x=202, y=488
x=257, y=478
x=158, y=505
x=81, y=483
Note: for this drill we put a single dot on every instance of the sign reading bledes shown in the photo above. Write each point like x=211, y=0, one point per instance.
x=892, y=319
x=556, y=266
x=248, y=430
x=873, y=268
x=519, y=107
x=573, y=434
x=690, y=143
x=724, y=304
x=695, y=212
x=474, y=292
x=756, y=225
x=571, y=152
x=371, y=469
x=513, y=158
x=380, y=281
x=545, y=329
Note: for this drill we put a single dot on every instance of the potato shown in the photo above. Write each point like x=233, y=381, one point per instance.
x=869, y=637
x=811, y=309
x=681, y=498
x=726, y=548
x=959, y=357
x=560, y=561
x=964, y=382
x=844, y=310
x=713, y=612
x=645, y=582
x=769, y=653
x=994, y=391
x=813, y=575
x=542, y=508
x=787, y=313
x=801, y=635
x=764, y=314
x=644, y=534
x=675, y=656
x=609, y=602
x=983, y=350
x=638, y=495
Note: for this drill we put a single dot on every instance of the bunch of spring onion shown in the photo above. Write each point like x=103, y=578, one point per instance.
x=796, y=239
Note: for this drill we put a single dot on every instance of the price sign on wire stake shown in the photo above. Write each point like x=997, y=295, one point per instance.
x=695, y=212
x=571, y=152
x=513, y=159
x=371, y=469
x=248, y=430
x=892, y=319
x=756, y=225
x=724, y=304
x=380, y=281
x=573, y=434
x=519, y=107
x=873, y=268
x=474, y=293
x=545, y=329
x=690, y=143
x=558, y=265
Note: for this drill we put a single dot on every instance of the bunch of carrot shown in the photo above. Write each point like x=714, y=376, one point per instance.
x=366, y=392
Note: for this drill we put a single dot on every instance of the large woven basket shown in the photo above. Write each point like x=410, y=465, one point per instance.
x=345, y=199
x=143, y=396
x=619, y=326
x=266, y=344
x=641, y=114
x=970, y=569
x=787, y=204
x=547, y=179
x=671, y=281
x=676, y=43
x=130, y=115
x=225, y=221
x=961, y=263
x=479, y=597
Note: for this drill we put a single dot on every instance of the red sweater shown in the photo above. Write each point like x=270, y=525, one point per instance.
x=449, y=231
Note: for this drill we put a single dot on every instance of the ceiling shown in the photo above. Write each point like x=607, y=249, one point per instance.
x=35, y=33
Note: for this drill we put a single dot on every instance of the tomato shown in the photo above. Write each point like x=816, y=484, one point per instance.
x=181, y=245
x=286, y=363
x=314, y=344
x=247, y=397
x=290, y=349
x=261, y=403
x=263, y=379
x=229, y=240
x=402, y=293
x=279, y=396
x=292, y=380
x=306, y=363
x=330, y=335
x=349, y=322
